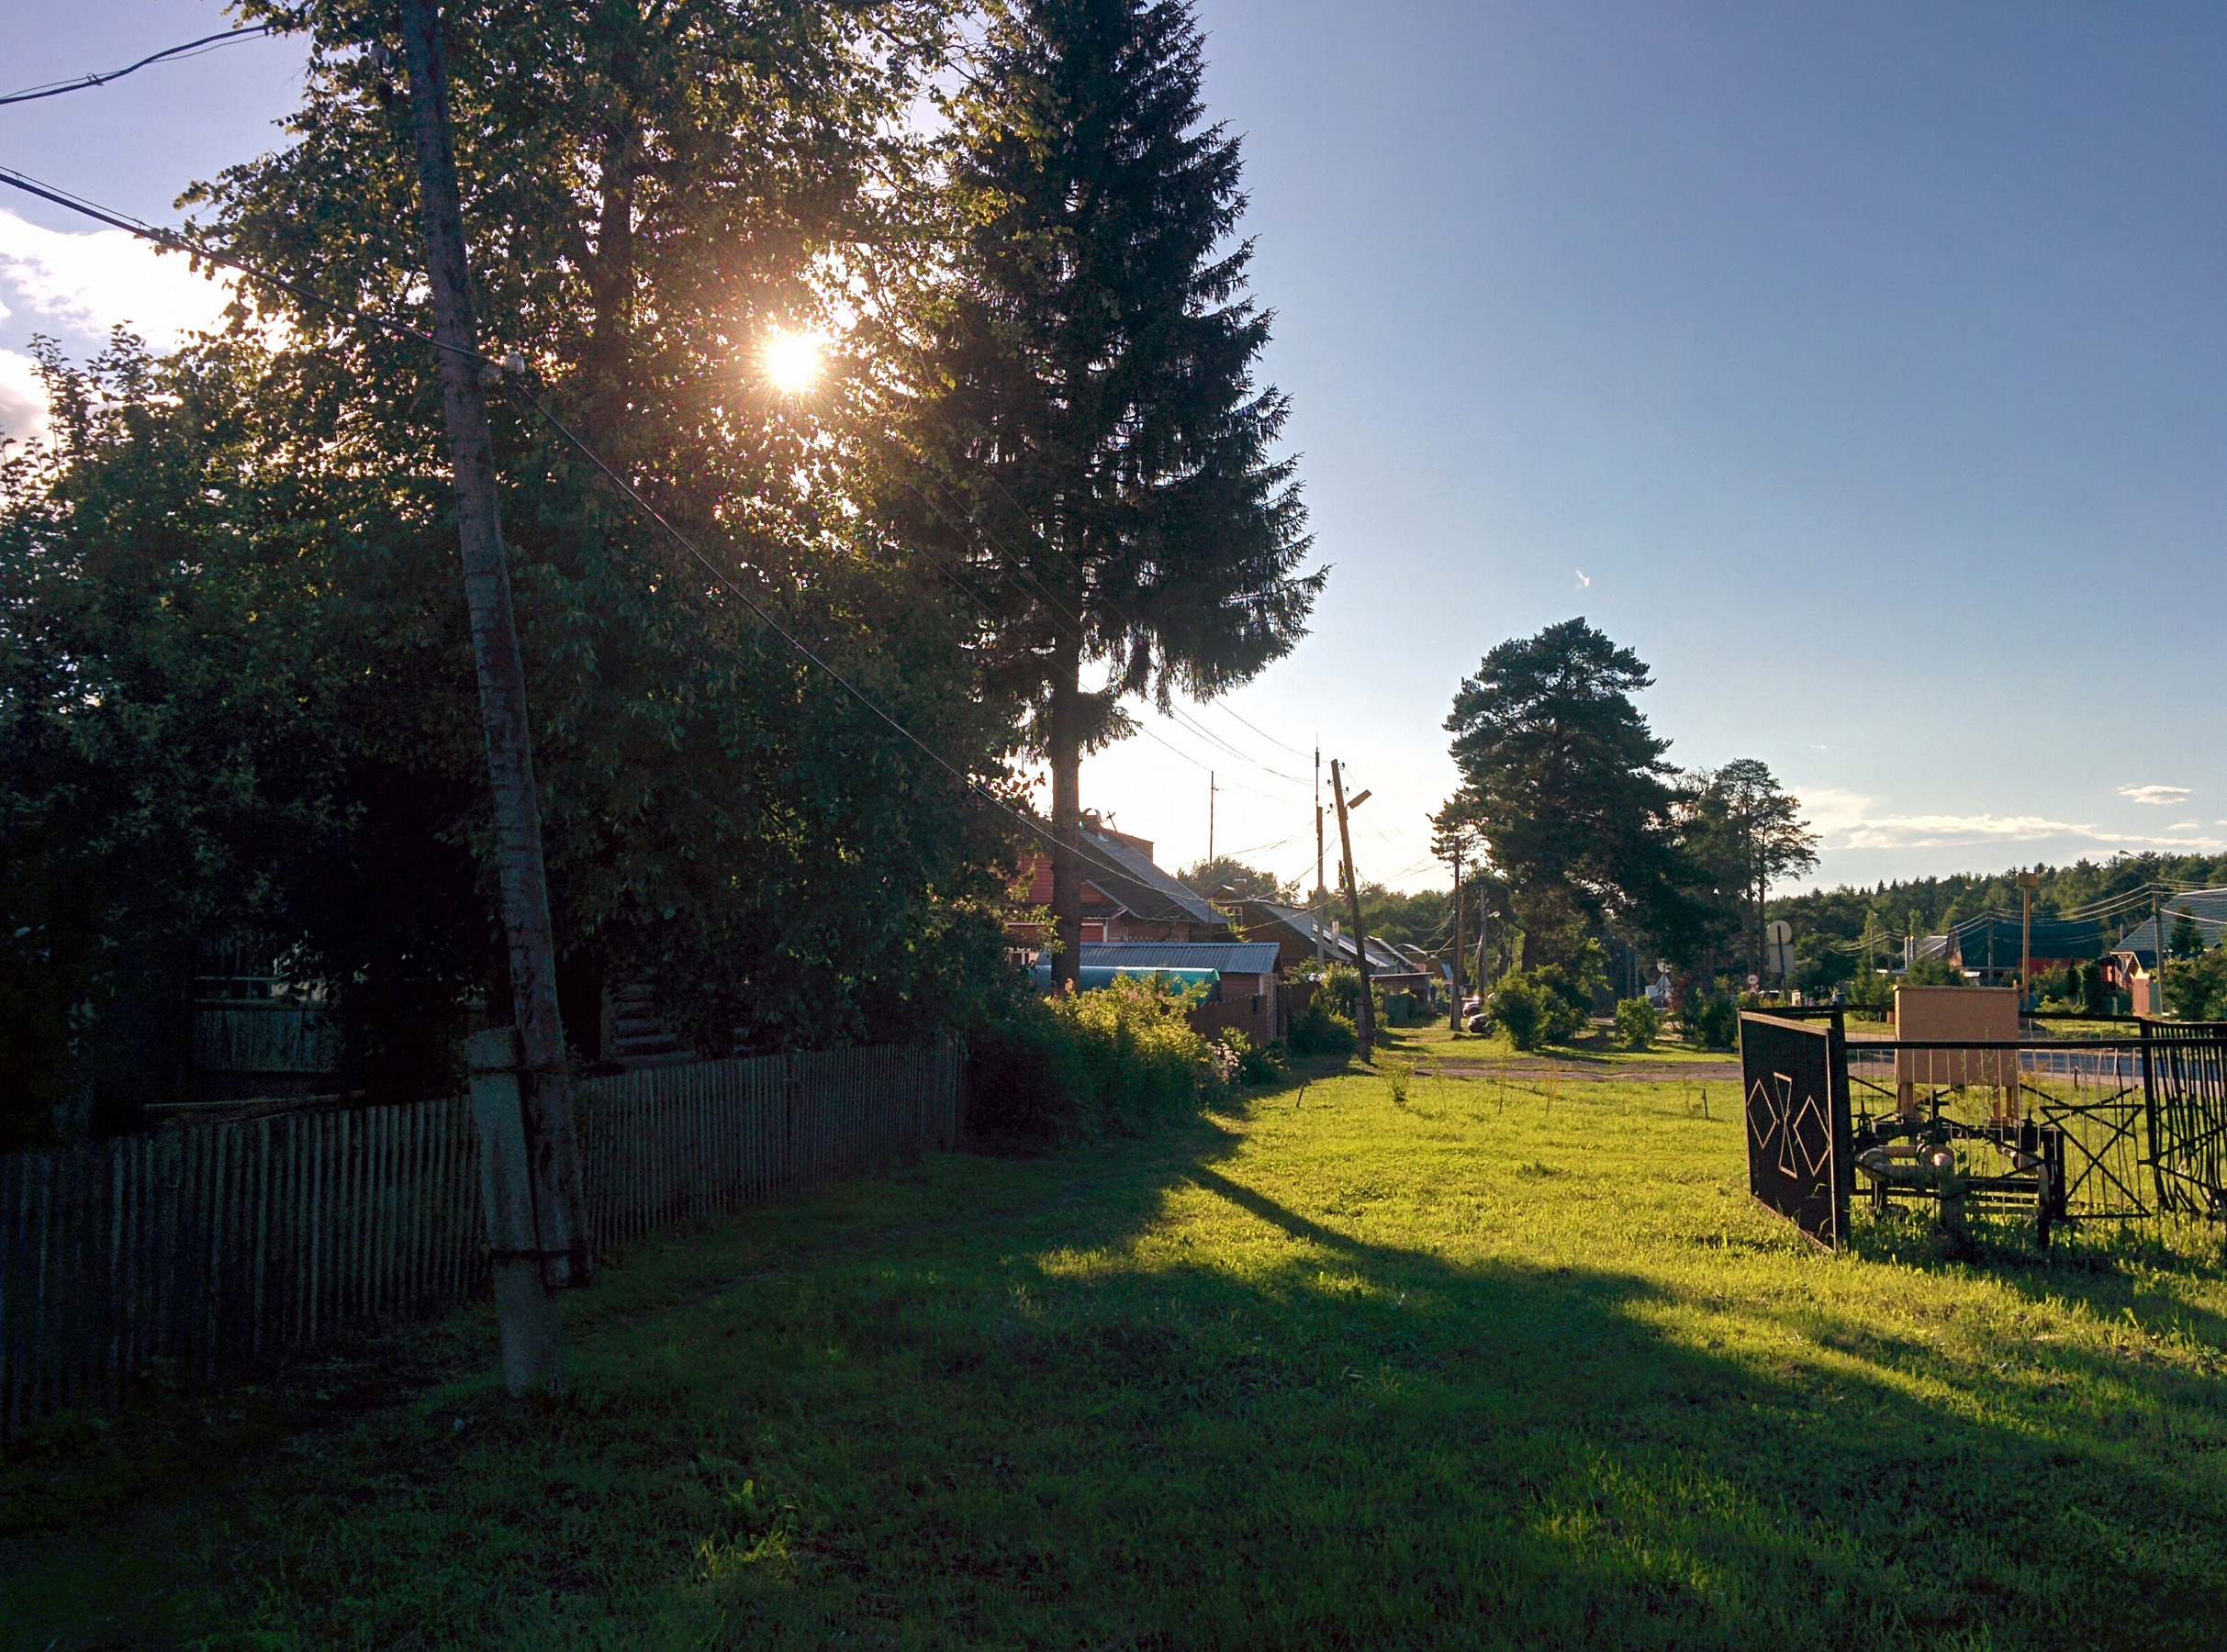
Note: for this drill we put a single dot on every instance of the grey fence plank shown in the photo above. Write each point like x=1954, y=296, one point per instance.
x=223, y=1248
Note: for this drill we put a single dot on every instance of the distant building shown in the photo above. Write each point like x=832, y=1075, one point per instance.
x=2206, y=908
x=2131, y=968
x=1125, y=896
x=1292, y=931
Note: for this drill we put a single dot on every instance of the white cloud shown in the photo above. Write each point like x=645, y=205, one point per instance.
x=2154, y=794
x=23, y=399
x=87, y=284
x=1828, y=808
x=1933, y=831
x=66, y=283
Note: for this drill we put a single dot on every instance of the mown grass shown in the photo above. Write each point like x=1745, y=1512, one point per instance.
x=1500, y=1366
x=1595, y=1047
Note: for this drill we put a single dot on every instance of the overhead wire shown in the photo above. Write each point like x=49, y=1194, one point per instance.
x=172, y=241
x=85, y=83
x=176, y=242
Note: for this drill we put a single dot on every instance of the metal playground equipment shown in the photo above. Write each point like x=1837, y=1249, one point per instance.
x=2054, y=1130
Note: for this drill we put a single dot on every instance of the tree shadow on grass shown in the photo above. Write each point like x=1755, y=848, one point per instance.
x=1309, y=1439
x=1043, y=1403
x=1549, y=1459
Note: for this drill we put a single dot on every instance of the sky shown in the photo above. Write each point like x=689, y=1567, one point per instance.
x=1860, y=367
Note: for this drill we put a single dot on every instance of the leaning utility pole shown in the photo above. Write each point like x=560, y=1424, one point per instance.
x=553, y=1250
x=1364, y=1011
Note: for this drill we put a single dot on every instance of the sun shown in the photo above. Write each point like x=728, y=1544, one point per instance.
x=793, y=361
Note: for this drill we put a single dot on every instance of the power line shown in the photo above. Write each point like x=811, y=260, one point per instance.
x=513, y=376
x=84, y=83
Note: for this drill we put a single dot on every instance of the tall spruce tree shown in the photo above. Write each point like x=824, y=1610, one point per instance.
x=1094, y=460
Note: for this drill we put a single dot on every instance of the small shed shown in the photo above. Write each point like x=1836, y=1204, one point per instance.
x=1246, y=973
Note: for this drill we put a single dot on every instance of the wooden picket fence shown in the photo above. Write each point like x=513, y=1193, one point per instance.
x=218, y=1250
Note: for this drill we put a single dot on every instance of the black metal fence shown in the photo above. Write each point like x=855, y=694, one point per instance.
x=2139, y=1122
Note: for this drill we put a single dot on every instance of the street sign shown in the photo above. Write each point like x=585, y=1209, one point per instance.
x=1778, y=937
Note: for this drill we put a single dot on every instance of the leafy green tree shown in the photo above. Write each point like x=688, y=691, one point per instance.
x=2185, y=940
x=1746, y=832
x=1422, y=917
x=2196, y=983
x=1566, y=785
x=1094, y=456
x=238, y=689
x=1222, y=880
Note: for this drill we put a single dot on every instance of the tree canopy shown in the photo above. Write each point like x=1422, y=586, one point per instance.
x=1223, y=879
x=1565, y=783
x=1094, y=459
x=235, y=687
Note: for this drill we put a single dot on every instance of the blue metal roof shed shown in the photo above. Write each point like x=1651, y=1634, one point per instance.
x=1230, y=958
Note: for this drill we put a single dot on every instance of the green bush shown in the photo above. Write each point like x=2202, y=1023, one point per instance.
x=1637, y=1025
x=1566, y=998
x=1514, y=1005
x=1547, y=1005
x=1709, y=1020
x=1120, y=1058
x=1248, y=1062
x=1342, y=984
x=1933, y=972
x=1868, y=990
x=1319, y=1029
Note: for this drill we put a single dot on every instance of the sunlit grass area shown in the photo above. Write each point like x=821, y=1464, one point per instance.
x=1500, y=1364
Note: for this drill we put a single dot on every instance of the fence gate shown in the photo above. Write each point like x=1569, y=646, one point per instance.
x=2184, y=1078
x=1801, y=1158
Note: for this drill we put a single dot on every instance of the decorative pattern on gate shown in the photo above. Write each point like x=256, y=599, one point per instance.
x=1800, y=1159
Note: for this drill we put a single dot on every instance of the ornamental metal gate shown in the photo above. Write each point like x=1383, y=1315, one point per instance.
x=1801, y=1162
x=2184, y=1080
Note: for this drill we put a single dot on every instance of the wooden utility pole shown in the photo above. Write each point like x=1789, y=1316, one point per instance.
x=2028, y=882
x=554, y=1253
x=1454, y=1016
x=1364, y=1012
x=2157, y=934
x=1321, y=896
x=1210, y=817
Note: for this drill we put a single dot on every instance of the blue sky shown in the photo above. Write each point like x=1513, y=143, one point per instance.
x=1861, y=368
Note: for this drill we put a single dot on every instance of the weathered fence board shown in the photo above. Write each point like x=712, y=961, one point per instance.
x=219, y=1249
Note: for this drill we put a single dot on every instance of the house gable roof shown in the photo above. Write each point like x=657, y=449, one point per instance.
x=1128, y=875
x=2207, y=906
x=1382, y=959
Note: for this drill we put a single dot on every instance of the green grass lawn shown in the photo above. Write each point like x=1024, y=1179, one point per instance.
x=1435, y=1040
x=1485, y=1368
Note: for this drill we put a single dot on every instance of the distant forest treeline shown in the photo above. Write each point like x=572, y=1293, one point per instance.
x=1935, y=905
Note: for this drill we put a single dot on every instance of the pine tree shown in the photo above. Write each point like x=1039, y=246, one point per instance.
x=1565, y=783
x=1095, y=464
